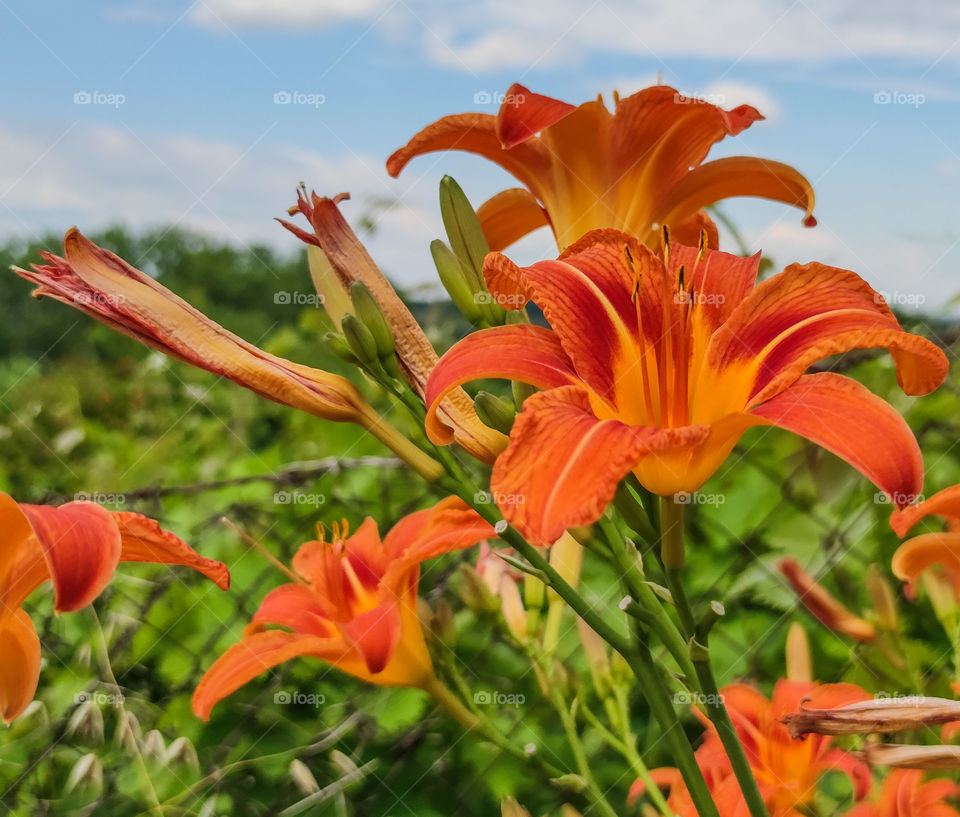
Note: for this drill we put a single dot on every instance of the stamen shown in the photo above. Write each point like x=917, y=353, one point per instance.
x=641, y=339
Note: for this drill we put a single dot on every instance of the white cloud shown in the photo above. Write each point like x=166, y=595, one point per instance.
x=283, y=13
x=94, y=176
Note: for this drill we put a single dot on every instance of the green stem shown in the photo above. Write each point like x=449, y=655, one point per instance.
x=638, y=659
x=633, y=757
x=672, y=543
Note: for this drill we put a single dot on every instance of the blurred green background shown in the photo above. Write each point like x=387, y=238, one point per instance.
x=85, y=411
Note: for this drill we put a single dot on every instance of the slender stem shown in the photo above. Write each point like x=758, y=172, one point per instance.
x=672, y=543
x=633, y=756
x=638, y=659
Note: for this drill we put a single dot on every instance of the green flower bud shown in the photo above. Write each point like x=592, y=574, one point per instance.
x=360, y=340
x=339, y=346
x=366, y=308
x=459, y=282
x=495, y=412
x=462, y=225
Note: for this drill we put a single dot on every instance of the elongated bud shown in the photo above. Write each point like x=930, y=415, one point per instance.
x=86, y=774
x=884, y=602
x=799, y=662
x=598, y=660
x=360, y=340
x=905, y=756
x=462, y=225
x=153, y=745
x=303, y=778
x=942, y=594
x=338, y=345
x=566, y=556
x=366, y=308
x=458, y=281
x=880, y=715
x=495, y=412
x=86, y=721
x=182, y=751
x=512, y=606
x=475, y=593
x=330, y=289
x=822, y=605
x=511, y=808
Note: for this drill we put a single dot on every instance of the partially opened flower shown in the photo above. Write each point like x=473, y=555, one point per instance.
x=349, y=261
x=107, y=288
x=905, y=794
x=353, y=604
x=77, y=547
x=928, y=550
x=657, y=364
x=584, y=167
x=824, y=606
x=787, y=770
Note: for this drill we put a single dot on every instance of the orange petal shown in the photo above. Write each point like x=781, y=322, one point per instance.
x=945, y=503
x=509, y=216
x=143, y=540
x=563, y=465
x=294, y=606
x=474, y=133
x=252, y=657
x=809, y=312
x=81, y=545
x=852, y=767
x=23, y=567
x=822, y=605
x=449, y=525
x=688, y=231
x=736, y=176
x=375, y=634
x=850, y=421
x=529, y=354
x=20, y=667
x=917, y=554
x=524, y=114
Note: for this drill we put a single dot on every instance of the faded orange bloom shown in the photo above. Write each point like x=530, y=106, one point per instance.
x=349, y=261
x=584, y=168
x=921, y=552
x=881, y=715
x=353, y=604
x=77, y=547
x=905, y=794
x=787, y=770
x=107, y=288
x=822, y=605
x=657, y=364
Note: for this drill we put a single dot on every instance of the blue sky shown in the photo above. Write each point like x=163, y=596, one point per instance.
x=184, y=129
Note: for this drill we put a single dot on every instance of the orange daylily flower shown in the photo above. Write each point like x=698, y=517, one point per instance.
x=584, y=168
x=107, y=288
x=786, y=769
x=77, y=547
x=822, y=605
x=921, y=552
x=657, y=364
x=349, y=261
x=905, y=794
x=353, y=605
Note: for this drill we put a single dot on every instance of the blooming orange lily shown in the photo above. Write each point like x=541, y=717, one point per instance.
x=657, y=364
x=77, y=547
x=928, y=549
x=348, y=261
x=107, y=288
x=786, y=769
x=584, y=168
x=352, y=604
x=905, y=794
